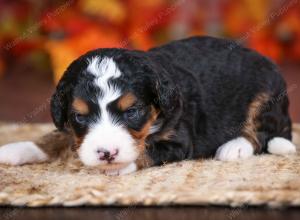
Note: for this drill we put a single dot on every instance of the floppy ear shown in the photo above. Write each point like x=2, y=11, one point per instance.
x=168, y=98
x=60, y=101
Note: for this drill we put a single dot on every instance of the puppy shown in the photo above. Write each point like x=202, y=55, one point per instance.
x=199, y=97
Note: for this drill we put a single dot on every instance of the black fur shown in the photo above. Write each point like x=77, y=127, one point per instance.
x=202, y=86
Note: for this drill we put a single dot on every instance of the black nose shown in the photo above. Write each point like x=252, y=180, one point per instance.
x=103, y=154
x=107, y=155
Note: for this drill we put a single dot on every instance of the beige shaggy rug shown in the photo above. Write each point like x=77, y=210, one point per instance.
x=262, y=180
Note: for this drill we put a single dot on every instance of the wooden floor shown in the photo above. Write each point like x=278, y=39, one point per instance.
x=153, y=213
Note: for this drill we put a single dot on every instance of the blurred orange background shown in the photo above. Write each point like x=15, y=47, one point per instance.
x=38, y=39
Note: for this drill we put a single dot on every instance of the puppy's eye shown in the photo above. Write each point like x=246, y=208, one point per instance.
x=80, y=118
x=132, y=113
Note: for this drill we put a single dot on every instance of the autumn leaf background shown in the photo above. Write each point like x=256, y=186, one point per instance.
x=47, y=35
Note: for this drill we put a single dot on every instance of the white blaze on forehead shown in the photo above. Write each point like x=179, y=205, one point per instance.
x=104, y=70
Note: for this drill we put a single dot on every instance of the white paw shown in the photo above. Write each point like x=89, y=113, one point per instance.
x=21, y=153
x=281, y=146
x=126, y=170
x=239, y=148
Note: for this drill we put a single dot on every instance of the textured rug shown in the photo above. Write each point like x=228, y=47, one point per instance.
x=262, y=180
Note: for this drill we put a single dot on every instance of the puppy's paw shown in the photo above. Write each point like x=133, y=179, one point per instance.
x=239, y=148
x=281, y=146
x=21, y=153
x=126, y=170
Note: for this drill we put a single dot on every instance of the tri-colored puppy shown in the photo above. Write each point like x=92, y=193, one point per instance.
x=199, y=97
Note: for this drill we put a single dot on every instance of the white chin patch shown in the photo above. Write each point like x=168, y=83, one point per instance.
x=281, y=146
x=20, y=153
x=126, y=170
x=109, y=138
x=239, y=148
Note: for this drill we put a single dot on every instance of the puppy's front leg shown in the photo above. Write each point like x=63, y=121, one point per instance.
x=43, y=149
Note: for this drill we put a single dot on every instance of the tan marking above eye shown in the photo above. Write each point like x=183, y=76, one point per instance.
x=126, y=101
x=80, y=106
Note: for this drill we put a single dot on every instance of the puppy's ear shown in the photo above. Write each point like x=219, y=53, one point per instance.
x=60, y=100
x=168, y=98
x=59, y=105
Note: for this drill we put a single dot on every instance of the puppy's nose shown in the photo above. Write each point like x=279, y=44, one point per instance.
x=107, y=155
